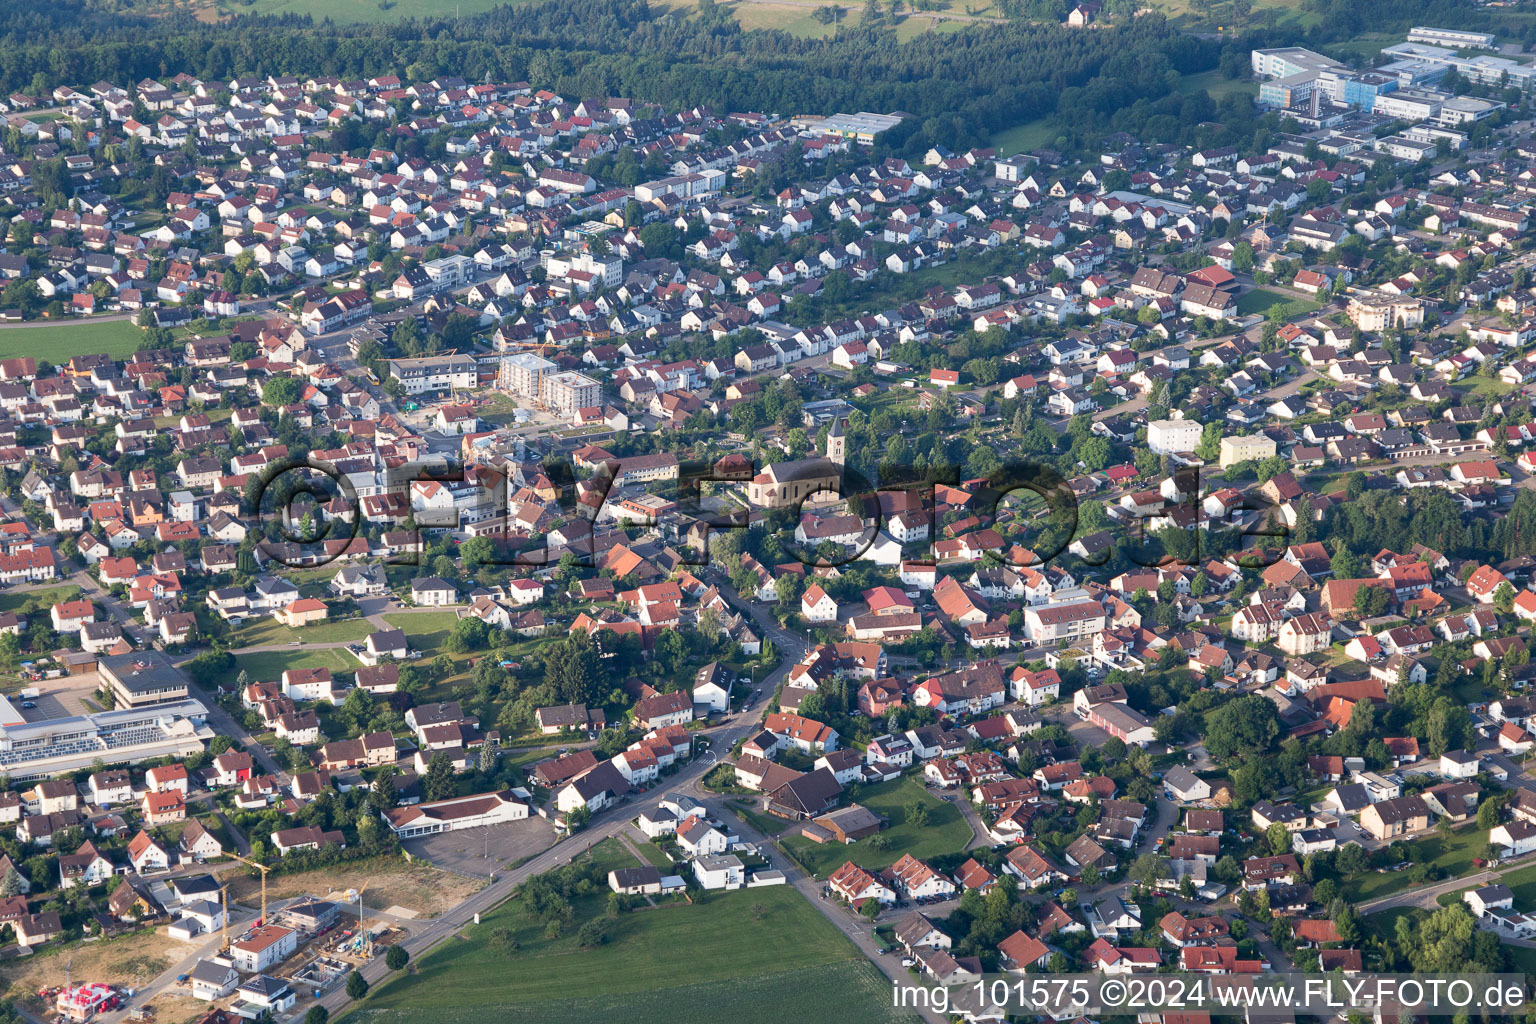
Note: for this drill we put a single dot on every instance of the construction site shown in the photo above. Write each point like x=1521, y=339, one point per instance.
x=280, y=962
x=270, y=959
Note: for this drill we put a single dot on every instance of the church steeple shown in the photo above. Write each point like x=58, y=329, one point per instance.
x=837, y=444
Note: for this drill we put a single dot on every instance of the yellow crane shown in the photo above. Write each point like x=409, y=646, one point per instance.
x=224, y=922
x=263, y=869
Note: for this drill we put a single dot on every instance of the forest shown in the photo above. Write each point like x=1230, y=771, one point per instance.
x=961, y=87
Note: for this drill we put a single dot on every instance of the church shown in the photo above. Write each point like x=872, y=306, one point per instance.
x=787, y=484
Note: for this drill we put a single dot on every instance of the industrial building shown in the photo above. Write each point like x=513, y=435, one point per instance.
x=30, y=750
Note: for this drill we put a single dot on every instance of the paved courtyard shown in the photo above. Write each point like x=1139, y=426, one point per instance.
x=479, y=851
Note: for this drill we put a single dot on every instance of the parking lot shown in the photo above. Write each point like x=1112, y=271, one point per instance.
x=58, y=698
x=479, y=851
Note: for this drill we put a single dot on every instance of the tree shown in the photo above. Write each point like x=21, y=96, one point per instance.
x=1487, y=818
x=1350, y=860
x=468, y=634
x=1210, y=442
x=439, y=783
x=1371, y=601
x=357, y=985
x=1503, y=598
x=916, y=813
x=591, y=934
x=503, y=940
x=11, y=884
x=282, y=390
x=1448, y=726
x=1246, y=725
x=317, y=1015
x=1279, y=837
x=574, y=669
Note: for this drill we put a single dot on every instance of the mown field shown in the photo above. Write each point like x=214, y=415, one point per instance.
x=945, y=831
x=58, y=342
x=40, y=600
x=263, y=666
x=848, y=991
x=265, y=630
x=747, y=956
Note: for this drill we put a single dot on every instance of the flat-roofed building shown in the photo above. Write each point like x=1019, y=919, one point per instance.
x=142, y=677
x=566, y=393
x=126, y=736
x=1246, y=449
x=452, y=815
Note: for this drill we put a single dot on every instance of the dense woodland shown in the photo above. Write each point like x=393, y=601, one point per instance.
x=962, y=86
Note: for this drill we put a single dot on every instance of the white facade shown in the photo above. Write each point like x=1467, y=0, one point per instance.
x=1165, y=437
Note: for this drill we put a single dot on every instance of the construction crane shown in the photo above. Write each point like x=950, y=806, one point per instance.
x=263, y=869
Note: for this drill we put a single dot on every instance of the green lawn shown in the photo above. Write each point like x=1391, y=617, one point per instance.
x=1521, y=882
x=945, y=831
x=1022, y=138
x=1261, y=300
x=1217, y=84
x=40, y=600
x=57, y=342
x=1487, y=387
x=267, y=630
x=427, y=630
x=655, y=857
x=1452, y=855
x=266, y=666
x=730, y=957
x=216, y=416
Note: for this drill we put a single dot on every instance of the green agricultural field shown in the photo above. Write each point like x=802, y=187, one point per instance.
x=1024, y=137
x=717, y=950
x=345, y=11
x=945, y=831
x=851, y=990
x=57, y=342
x=1217, y=84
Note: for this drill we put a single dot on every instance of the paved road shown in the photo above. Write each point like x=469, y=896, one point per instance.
x=1134, y=405
x=1425, y=896
x=608, y=823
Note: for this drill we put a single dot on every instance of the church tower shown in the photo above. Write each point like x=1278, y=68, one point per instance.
x=837, y=444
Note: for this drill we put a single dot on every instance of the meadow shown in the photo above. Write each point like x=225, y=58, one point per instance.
x=746, y=956
x=57, y=342
x=944, y=831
